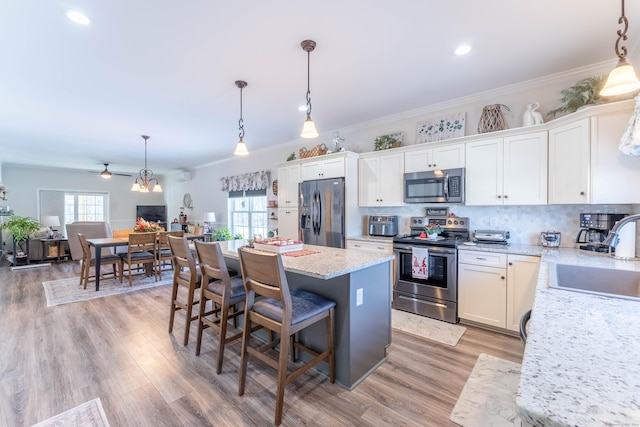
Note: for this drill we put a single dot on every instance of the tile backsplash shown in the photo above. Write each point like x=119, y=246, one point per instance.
x=523, y=222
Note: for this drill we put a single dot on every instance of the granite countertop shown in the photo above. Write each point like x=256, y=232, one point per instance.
x=581, y=363
x=326, y=264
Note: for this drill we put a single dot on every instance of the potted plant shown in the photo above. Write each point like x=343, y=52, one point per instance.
x=20, y=227
x=385, y=142
x=431, y=231
x=222, y=234
x=584, y=92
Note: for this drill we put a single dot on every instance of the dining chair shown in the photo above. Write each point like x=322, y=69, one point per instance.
x=185, y=274
x=284, y=312
x=141, y=251
x=164, y=251
x=224, y=292
x=88, y=261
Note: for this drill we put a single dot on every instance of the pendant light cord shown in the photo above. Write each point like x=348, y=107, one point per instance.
x=622, y=34
x=241, y=122
x=308, y=84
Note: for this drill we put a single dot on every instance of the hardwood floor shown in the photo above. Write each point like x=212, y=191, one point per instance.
x=118, y=349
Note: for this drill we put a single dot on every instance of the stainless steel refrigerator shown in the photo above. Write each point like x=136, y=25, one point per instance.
x=322, y=212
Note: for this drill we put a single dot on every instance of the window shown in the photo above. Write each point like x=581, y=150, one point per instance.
x=248, y=213
x=85, y=207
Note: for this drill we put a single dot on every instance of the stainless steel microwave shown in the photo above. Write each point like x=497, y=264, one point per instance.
x=439, y=186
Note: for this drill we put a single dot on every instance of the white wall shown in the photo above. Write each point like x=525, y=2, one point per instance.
x=23, y=184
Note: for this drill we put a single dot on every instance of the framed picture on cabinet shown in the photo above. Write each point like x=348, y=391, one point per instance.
x=433, y=130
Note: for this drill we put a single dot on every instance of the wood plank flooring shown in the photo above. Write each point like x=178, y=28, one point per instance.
x=118, y=349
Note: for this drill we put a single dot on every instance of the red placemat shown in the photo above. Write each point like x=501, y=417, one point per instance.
x=302, y=252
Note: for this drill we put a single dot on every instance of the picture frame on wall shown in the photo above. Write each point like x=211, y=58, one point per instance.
x=433, y=130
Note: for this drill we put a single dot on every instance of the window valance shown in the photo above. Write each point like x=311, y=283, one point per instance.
x=246, y=182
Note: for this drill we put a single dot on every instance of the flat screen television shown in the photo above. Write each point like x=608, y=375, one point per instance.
x=155, y=213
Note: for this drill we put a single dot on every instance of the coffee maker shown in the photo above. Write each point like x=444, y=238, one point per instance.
x=594, y=229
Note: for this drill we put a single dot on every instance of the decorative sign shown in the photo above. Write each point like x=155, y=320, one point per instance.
x=440, y=129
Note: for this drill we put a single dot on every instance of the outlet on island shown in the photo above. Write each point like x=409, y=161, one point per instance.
x=359, y=295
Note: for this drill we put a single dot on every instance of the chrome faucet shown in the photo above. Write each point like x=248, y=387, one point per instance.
x=612, y=239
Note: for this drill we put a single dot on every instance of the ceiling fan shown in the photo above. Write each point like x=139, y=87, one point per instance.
x=106, y=173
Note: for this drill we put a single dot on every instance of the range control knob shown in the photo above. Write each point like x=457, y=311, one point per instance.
x=461, y=222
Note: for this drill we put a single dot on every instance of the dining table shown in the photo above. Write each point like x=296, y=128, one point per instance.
x=113, y=242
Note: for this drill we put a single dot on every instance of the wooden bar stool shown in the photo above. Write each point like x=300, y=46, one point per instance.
x=185, y=274
x=224, y=291
x=164, y=251
x=282, y=311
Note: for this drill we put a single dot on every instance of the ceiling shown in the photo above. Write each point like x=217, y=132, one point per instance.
x=78, y=96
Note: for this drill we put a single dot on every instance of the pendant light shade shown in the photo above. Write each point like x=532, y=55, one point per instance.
x=309, y=128
x=241, y=147
x=622, y=79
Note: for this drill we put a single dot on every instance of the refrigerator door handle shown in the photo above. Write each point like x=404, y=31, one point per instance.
x=314, y=213
x=319, y=212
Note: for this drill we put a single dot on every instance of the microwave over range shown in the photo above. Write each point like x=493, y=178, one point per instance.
x=438, y=186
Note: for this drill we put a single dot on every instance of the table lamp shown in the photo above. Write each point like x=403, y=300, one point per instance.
x=209, y=218
x=51, y=221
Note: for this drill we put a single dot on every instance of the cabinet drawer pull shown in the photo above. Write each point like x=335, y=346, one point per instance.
x=481, y=258
x=380, y=247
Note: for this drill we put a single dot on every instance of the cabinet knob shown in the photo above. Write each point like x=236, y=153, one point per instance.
x=499, y=196
x=429, y=165
x=506, y=196
x=502, y=277
x=582, y=193
x=434, y=165
x=510, y=263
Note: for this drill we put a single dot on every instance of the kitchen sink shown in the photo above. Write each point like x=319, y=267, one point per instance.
x=598, y=281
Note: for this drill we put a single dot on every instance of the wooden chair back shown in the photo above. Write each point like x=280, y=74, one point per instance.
x=263, y=274
x=182, y=255
x=143, y=242
x=122, y=233
x=212, y=263
x=86, y=249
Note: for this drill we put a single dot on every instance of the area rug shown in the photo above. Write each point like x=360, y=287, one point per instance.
x=88, y=414
x=65, y=291
x=489, y=395
x=425, y=327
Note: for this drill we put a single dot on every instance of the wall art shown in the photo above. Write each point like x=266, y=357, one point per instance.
x=440, y=129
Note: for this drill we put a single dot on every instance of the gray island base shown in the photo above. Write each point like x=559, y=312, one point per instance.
x=360, y=284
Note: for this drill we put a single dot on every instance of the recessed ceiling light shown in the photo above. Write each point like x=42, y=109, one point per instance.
x=462, y=50
x=77, y=17
x=302, y=108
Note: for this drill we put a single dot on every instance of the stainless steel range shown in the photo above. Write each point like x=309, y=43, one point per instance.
x=434, y=291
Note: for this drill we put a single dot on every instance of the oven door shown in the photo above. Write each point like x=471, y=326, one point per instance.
x=442, y=278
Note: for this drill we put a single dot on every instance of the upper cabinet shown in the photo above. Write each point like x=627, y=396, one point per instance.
x=288, y=179
x=380, y=179
x=614, y=176
x=507, y=171
x=569, y=163
x=323, y=169
x=428, y=159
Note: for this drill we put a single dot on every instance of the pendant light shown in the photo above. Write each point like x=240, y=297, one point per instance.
x=146, y=179
x=241, y=147
x=622, y=79
x=309, y=128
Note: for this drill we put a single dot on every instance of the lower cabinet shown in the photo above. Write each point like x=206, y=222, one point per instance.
x=496, y=289
x=288, y=223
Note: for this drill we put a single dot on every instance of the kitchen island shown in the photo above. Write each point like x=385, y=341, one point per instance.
x=359, y=283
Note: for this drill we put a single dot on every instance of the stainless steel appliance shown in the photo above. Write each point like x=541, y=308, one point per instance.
x=439, y=186
x=550, y=239
x=383, y=225
x=436, y=296
x=322, y=212
x=496, y=237
x=594, y=229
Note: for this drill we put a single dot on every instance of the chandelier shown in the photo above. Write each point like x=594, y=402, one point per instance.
x=622, y=79
x=145, y=179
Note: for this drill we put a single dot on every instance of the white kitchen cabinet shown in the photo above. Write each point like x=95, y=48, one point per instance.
x=482, y=294
x=288, y=223
x=380, y=180
x=429, y=159
x=496, y=289
x=569, y=166
x=375, y=247
x=522, y=278
x=323, y=169
x=507, y=171
x=613, y=174
x=288, y=179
